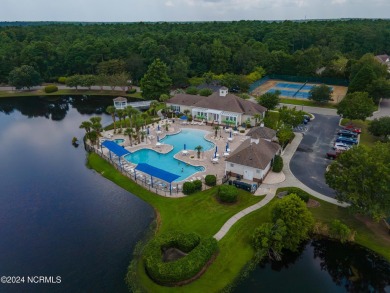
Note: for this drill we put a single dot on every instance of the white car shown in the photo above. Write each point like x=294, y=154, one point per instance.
x=341, y=146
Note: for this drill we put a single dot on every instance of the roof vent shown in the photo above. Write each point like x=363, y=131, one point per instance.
x=223, y=91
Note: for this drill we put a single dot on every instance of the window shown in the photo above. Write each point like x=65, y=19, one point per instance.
x=229, y=118
x=175, y=108
x=231, y=165
x=258, y=171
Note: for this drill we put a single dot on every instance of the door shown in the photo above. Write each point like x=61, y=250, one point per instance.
x=248, y=174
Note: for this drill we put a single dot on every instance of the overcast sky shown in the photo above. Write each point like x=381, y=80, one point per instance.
x=189, y=10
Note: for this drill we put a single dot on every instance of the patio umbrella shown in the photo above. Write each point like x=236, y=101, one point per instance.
x=230, y=134
x=227, y=146
x=183, y=117
x=158, y=126
x=147, y=131
x=184, y=146
x=215, y=154
x=158, y=138
x=216, y=149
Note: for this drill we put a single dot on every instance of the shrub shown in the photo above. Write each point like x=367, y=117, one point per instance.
x=131, y=91
x=244, y=96
x=210, y=180
x=192, y=90
x=199, y=250
x=278, y=164
x=197, y=185
x=62, y=79
x=227, y=193
x=188, y=188
x=242, y=131
x=51, y=88
x=205, y=92
x=299, y=192
x=340, y=231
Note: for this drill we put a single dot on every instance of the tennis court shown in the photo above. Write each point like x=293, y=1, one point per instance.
x=291, y=94
x=296, y=86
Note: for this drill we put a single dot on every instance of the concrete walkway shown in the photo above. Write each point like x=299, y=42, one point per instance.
x=270, y=189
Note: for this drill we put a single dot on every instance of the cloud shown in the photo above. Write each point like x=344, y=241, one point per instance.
x=169, y=4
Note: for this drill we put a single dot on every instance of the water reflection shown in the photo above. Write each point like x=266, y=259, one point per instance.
x=322, y=266
x=55, y=107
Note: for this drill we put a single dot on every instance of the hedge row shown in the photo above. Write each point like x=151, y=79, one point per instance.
x=191, y=187
x=51, y=88
x=200, y=251
x=278, y=164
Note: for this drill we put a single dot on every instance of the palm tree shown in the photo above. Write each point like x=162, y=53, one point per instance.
x=186, y=112
x=93, y=137
x=145, y=117
x=87, y=125
x=216, y=128
x=112, y=110
x=120, y=114
x=199, y=148
x=130, y=132
x=153, y=106
x=96, y=124
x=143, y=134
x=257, y=117
x=131, y=112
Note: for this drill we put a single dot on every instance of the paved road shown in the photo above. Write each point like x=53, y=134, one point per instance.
x=384, y=109
x=309, y=162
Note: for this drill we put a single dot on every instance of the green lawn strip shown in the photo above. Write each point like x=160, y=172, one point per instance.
x=366, y=138
x=376, y=241
x=73, y=92
x=235, y=252
x=306, y=103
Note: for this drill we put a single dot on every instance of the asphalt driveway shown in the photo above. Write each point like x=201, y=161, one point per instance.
x=309, y=161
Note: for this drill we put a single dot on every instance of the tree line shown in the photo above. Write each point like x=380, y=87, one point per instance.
x=192, y=49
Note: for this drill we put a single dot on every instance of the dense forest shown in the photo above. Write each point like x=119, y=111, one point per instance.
x=192, y=49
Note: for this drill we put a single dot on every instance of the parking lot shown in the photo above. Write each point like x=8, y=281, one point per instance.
x=309, y=161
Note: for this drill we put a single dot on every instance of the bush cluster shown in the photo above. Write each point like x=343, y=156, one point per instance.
x=131, y=91
x=191, y=187
x=278, y=164
x=205, y=92
x=192, y=90
x=62, y=79
x=51, y=88
x=210, y=180
x=199, y=250
x=299, y=192
x=227, y=193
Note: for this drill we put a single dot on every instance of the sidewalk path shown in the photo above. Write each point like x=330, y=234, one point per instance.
x=270, y=189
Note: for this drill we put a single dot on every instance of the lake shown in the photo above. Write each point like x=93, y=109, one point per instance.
x=321, y=266
x=57, y=217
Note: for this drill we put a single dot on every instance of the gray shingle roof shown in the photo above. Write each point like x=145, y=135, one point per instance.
x=120, y=99
x=261, y=132
x=230, y=103
x=254, y=155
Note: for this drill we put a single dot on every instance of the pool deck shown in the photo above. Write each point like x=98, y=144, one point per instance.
x=205, y=160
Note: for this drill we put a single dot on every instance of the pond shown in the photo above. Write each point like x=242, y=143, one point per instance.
x=321, y=266
x=57, y=217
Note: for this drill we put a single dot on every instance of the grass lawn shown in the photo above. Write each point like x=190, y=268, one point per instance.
x=366, y=138
x=201, y=213
x=73, y=92
x=306, y=103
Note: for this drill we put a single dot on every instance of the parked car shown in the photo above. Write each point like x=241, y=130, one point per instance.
x=307, y=117
x=332, y=155
x=347, y=140
x=341, y=146
x=352, y=128
x=347, y=133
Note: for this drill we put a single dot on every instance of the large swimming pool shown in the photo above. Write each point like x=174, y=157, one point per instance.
x=191, y=137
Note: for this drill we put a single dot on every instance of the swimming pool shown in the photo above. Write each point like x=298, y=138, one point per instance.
x=119, y=140
x=191, y=137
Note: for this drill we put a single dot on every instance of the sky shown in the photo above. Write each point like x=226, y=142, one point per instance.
x=189, y=10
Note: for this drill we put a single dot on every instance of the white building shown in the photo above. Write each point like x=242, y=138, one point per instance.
x=252, y=159
x=221, y=107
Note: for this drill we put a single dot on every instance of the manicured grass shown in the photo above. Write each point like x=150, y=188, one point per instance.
x=64, y=92
x=366, y=138
x=200, y=213
x=306, y=103
x=369, y=234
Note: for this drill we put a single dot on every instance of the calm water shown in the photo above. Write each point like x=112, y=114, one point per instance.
x=58, y=218
x=190, y=137
x=322, y=266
